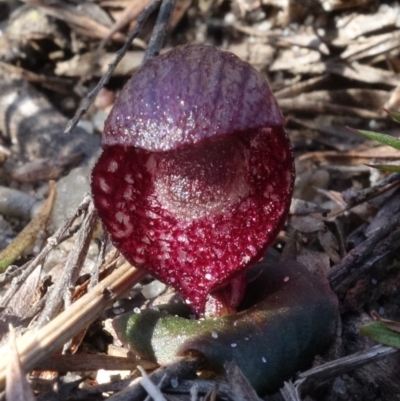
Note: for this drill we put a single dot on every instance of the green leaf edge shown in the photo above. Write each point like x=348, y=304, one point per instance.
x=382, y=334
x=382, y=138
x=395, y=116
x=5, y=263
x=386, y=167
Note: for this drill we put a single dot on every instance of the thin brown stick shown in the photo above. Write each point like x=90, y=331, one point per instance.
x=357, y=197
x=70, y=272
x=130, y=13
x=160, y=30
x=291, y=391
x=90, y=362
x=179, y=369
x=34, y=346
x=353, y=262
x=346, y=364
x=105, y=78
x=94, y=274
x=22, y=273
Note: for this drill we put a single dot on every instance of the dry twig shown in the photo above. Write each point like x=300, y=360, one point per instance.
x=37, y=345
x=182, y=368
x=66, y=281
x=365, y=255
x=24, y=271
x=105, y=78
x=160, y=29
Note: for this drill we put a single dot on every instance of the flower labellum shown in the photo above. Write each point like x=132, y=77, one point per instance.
x=196, y=175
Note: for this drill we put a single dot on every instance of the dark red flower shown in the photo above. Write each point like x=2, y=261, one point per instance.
x=196, y=175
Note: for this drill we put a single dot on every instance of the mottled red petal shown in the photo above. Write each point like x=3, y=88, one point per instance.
x=194, y=183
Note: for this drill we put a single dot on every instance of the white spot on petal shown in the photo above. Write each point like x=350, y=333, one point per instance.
x=128, y=194
x=140, y=250
x=104, y=186
x=112, y=168
x=245, y=259
x=122, y=218
x=139, y=260
x=129, y=179
x=104, y=203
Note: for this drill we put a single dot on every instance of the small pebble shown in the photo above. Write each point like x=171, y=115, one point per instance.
x=230, y=18
x=86, y=125
x=174, y=383
x=153, y=289
x=137, y=310
x=233, y=345
x=339, y=386
x=67, y=200
x=373, y=124
x=214, y=334
x=106, y=376
x=16, y=203
x=374, y=281
x=286, y=279
x=264, y=360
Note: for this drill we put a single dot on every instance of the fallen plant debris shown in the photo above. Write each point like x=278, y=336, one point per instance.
x=17, y=385
x=331, y=65
x=28, y=235
x=384, y=331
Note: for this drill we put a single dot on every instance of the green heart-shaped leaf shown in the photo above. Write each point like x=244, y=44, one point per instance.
x=289, y=316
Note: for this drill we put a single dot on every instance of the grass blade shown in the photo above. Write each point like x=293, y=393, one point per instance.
x=382, y=138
